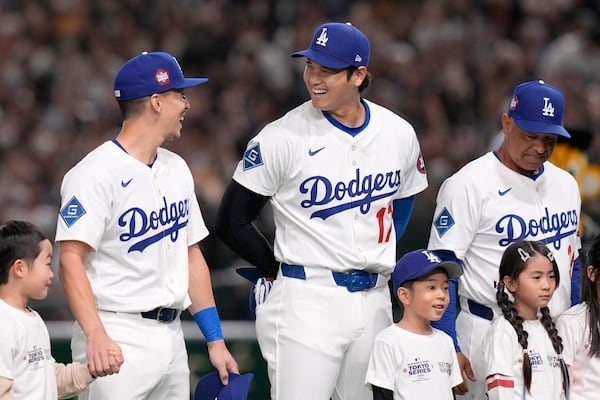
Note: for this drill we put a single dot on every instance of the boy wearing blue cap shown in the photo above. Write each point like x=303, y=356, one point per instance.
x=128, y=230
x=341, y=173
x=512, y=193
x=410, y=359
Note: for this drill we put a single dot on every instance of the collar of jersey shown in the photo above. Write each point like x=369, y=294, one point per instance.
x=351, y=131
x=115, y=141
x=533, y=177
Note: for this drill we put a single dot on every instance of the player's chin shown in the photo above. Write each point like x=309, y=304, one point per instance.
x=319, y=102
x=533, y=163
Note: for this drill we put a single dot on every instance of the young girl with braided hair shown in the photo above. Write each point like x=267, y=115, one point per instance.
x=580, y=329
x=522, y=350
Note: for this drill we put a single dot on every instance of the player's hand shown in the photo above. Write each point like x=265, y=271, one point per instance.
x=222, y=360
x=104, y=355
x=465, y=368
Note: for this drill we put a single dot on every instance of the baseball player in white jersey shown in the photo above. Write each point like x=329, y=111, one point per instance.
x=128, y=229
x=341, y=174
x=504, y=196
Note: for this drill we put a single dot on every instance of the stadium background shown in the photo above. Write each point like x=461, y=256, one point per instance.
x=448, y=66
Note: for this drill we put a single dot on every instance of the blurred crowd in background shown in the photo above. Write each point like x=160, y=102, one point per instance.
x=447, y=66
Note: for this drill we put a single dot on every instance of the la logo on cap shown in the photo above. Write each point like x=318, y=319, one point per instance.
x=548, y=110
x=322, y=39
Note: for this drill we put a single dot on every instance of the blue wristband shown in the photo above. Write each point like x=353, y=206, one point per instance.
x=209, y=324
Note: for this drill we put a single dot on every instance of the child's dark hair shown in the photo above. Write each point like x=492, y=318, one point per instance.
x=513, y=262
x=589, y=295
x=18, y=240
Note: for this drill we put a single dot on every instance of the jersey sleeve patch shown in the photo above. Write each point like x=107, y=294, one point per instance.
x=72, y=211
x=421, y=164
x=443, y=222
x=252, y=157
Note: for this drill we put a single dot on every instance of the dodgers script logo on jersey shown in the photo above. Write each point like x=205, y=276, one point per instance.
x=512, y=227
x=172, y=217
x=360, y=192
x=138, y=223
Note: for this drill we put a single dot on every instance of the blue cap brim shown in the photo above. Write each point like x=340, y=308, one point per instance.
x=323, y=59
x=189, y=82
x=540, y=127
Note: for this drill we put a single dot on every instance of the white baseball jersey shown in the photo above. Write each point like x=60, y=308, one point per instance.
x=485, y=206
x=502, y=354
x=140, y=222
x=414, y=366
x=25, y=355
x=332, y=192
x=574, y=330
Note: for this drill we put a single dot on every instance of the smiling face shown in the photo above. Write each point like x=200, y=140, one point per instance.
x=425, y=301
x=522, y=151
x=174, y=105
x=38, y=274
x=331, y=90
x=534, y=286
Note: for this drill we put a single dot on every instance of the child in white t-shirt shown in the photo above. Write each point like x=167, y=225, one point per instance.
x=411, y=359
x=27, y=369
x=521, y=353
x=580, y=329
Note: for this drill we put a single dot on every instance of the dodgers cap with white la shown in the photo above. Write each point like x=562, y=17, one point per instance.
x=537, y=107
x=150, y=73
x=418, y=263
x=210, y=387
x=337, y=45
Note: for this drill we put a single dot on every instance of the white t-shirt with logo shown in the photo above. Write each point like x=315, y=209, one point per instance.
x=414, y=366
x=502, y=354
x=25, y=355
x=574, y=330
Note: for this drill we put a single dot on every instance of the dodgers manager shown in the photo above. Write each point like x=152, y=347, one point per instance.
x=506, y=195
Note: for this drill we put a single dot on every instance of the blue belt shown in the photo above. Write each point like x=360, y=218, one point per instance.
x=162, y=314
x=480, y=310
x=354, y=281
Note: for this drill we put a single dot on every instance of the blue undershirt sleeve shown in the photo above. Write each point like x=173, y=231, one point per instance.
x=448, y=321
x=402, y=212
x=575, y=283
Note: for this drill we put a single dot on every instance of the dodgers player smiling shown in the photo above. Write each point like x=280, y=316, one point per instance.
x=504, y=196
x=129, y=229
x=341, y=173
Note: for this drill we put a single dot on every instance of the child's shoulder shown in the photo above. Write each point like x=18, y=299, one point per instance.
x=575, y=312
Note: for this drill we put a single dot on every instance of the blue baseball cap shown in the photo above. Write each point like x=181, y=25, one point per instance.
x=537, y=107
x=418, y=263
x=336, y=45
x=150, y=73
x=209, y=387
